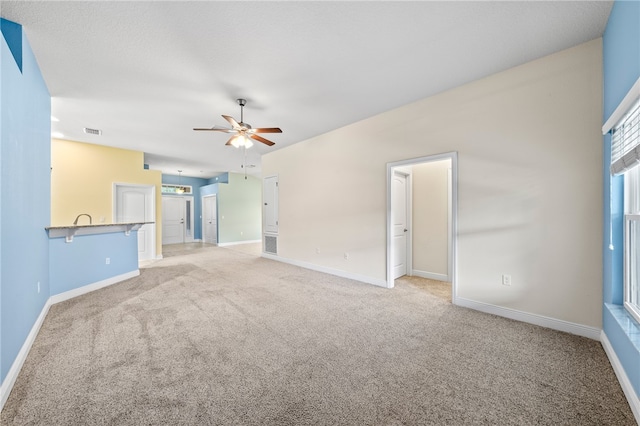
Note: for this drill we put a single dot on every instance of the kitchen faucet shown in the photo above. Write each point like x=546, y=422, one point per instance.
x=75, y=222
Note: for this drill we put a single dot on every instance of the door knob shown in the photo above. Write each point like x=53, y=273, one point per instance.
x=405, y=229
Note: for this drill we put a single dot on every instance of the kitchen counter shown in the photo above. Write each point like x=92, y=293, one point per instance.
x=70, y=231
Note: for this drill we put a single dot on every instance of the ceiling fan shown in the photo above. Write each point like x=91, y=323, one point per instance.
x=243, y=131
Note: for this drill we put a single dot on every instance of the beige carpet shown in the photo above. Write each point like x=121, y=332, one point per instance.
x=218, y=336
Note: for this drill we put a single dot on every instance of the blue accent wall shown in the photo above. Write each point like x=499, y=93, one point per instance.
x=12, y=34
x=621, y=68
x=83, y=261
x=25, y=195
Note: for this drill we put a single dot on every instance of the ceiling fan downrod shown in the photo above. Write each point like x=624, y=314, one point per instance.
x=242, y=103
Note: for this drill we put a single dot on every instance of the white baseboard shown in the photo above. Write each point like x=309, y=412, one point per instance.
x=625, y=383
x=235, y=243
x=92, y=287
x=430, y=275
x=552, y=323
x=158, y=257
x=326, y=270
x=12, y=375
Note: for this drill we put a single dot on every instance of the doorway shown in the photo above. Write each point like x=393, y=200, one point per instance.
x=136, y=203
x=209, y=219
x=405, y=179
x=177, y=219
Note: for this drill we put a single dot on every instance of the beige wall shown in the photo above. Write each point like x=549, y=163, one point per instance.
x=530, y=187
x=430, y=218
x=82, y=178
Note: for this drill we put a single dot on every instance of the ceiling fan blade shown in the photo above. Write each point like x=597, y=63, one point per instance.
x=216, y=129
x=267, y=130
x=232, y=121
x=263, y=140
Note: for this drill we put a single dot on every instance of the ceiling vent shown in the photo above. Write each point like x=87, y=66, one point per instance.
x=92, y=131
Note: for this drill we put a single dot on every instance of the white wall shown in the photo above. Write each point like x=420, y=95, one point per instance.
x=530, y=203
x=430, y=218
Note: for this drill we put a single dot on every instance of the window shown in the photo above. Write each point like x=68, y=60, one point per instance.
x=625, y=157
x=176, y=189
x=625, y=141
x=632, y=242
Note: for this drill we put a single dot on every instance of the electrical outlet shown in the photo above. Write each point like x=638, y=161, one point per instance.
x=346, y=256
x=38, y=286
x=241, y=233
x=107, y=261
x=317, y=250
x=506, y=279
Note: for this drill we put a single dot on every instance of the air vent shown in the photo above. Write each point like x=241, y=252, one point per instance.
x=92, y=131
x=270, y=244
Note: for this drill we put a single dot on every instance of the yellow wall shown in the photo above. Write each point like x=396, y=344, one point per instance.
x=82, y=179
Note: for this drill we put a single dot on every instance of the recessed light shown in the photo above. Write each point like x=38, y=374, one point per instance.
x=57, y=135
x=54, y=119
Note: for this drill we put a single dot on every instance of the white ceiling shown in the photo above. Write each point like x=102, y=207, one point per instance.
x=146, y=73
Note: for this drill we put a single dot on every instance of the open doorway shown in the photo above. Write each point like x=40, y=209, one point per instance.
x=421, y=218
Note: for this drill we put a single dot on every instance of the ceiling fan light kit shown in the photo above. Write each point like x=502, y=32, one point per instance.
x=243, y=131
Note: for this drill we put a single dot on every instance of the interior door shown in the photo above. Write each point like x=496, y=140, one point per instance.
x=136, y=203
x=270, y=200
x=209, y=219
x=399, y=223
x=173, y=217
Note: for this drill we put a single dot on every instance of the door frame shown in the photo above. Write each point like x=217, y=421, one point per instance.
x=150, y=191
x=453, y=215
x=204, y=216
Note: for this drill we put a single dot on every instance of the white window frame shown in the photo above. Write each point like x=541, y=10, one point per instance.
x=170, y=189
x=625, y=127
x=632, y=242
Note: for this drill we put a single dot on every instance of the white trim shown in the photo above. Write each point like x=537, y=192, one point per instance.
x=236, y=243
x=430, y=275
x=61, y=297
x=625, y=383
x=632, y=95
x=541, y=320
x=12, y=375
x=326, y=270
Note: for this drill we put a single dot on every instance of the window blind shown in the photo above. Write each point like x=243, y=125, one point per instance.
x=625, y=141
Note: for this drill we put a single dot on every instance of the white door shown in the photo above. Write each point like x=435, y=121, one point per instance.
x=209, y=221
x=270, y=200
x=399, y=223
x=173, y=218
x=136, y=203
